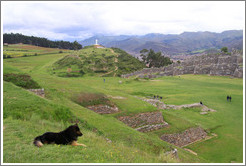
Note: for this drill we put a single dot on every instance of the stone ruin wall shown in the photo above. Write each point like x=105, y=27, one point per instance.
x=186, y=137
x=145, y=122
x=222, y=65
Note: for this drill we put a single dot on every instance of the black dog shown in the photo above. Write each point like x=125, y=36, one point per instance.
x=65, y=137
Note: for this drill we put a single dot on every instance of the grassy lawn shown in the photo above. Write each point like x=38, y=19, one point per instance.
x=27, y=115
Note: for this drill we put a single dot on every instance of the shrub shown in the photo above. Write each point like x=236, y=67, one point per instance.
x=60, y=52
x=224, y=49
x=87, y=99
x=22, y=80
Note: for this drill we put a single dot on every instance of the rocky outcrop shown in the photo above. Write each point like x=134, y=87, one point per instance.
x=145, y=122
x=222, y=65
x=186, y=137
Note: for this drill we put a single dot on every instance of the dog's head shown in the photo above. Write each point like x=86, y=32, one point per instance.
x=76, y=130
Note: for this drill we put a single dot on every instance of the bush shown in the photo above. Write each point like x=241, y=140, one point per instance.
x=88, y=99
x=60, y=52
x=22, y=80
x=224, y=49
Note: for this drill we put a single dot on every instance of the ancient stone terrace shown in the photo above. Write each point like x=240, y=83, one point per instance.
x=222, y=65
x=145, y=122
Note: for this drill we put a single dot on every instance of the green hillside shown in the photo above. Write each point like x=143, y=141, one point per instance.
x=108, y=140
x=96, y=61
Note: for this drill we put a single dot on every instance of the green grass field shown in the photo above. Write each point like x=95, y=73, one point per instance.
x=24, y=50
x=27, y=116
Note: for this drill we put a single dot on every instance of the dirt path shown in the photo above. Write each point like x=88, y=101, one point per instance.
x=190, y=151
x=116, y=67
x=116, y=61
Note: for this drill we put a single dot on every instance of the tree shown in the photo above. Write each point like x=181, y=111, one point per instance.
x=12, y=38
x=154, y=59
x=144, y=54
x=76, y=45
x=224, y=49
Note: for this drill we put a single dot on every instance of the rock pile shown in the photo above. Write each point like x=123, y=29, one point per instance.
x=222, y=65
x=186, y=137
x=145, y=122
x=39, y=92
x=103, y=109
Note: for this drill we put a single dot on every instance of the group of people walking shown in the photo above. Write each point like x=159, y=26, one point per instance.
x=228, y=98
x=157, y=97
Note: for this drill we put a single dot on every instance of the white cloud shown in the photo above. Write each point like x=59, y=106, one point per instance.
x=74, y=20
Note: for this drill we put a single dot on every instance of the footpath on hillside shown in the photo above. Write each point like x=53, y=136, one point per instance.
x=116, y=67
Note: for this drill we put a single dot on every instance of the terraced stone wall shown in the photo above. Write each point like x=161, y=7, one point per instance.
x=145, y=122
x=223, y=65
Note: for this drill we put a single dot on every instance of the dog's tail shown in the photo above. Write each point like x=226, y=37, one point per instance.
x=37, y=141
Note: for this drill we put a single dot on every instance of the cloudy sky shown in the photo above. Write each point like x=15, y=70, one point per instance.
x=79, y=20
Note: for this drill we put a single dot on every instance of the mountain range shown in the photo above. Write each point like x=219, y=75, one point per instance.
x=172, y=45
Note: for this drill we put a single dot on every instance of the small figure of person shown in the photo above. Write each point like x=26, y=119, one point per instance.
x=157, y=96
x=104, y=80
x=201, y=102
x=154, y=96
x=230, y=98
x=160, y=97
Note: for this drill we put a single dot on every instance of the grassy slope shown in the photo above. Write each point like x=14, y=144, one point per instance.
x=124, y=136
x=187, y=89
x=20, y=131
x=94, y=61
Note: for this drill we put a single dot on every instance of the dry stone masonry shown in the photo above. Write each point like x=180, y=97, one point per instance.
x=222, y=65
x=160, y=105
x=186, y=137
x=145, y=122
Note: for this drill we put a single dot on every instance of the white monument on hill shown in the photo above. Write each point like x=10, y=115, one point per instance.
x=96, y=45
x=96, y=42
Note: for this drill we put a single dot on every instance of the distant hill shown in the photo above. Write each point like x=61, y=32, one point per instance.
x=96, y=61
x=171, y=45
